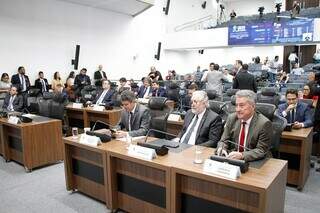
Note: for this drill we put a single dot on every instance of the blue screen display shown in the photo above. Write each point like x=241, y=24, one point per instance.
x=268, y=32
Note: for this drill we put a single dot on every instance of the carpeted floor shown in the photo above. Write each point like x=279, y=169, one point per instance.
x=44, y=190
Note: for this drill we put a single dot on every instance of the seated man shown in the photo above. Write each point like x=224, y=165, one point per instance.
x=157, y=90
x=296, y=112
x=249, y=130
x=145, y=90
x=186, y=100
x=105, y=97
x=135, y=118
x=201, y=125
x=13, y=101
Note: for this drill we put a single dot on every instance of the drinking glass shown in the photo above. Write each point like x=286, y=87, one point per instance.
x=198, y=157
x=74, y=132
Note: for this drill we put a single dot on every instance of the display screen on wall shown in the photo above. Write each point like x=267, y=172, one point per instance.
x=268, y=32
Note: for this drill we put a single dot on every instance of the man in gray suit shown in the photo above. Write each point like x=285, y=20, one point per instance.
x=13, y=101
x=201, y=125
x=249, y=129
x=135, y=118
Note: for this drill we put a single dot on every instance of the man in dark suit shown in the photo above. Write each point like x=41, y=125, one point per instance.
x=81, y=80
x=21, y=81
x=250, y=130
x=157, y=90
x=296, y=112
x=99, y=76
x=145, y=91
x=244, y=80
x=13, y=101
x=42, y=83
x=201, y=125
x=135, y=118
x=105, y=97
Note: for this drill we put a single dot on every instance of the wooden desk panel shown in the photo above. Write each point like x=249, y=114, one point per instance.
x=87, y=115
x=174, y=127
x=138, y=185
x=32, y=144
x=296, y=146
x=258, y=190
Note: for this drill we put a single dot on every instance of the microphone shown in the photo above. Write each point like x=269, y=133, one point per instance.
x=102, y=122
x=103, y=137
x=234, y=143
x=244, y=166
x=159, y=131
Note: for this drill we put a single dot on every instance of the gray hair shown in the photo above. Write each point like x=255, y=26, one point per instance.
x=200, y=95
x=128, y=95
x=249, y=94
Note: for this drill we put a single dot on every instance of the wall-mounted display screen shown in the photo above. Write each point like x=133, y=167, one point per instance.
x=268, y=32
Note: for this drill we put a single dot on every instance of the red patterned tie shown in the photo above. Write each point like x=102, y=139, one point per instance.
x=242, y=136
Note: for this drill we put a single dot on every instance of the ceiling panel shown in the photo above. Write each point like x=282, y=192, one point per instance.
x=128, y=7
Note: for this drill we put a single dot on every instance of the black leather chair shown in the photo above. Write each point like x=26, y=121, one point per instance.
x=230, y=106
x=229, y=93
x=159, y=114
x=278, y=125
x=217, y=107
x=212, y=94
x=88, y=93
x=269, y=95
x=45, y=103
x=173, y=92
x=32, y=100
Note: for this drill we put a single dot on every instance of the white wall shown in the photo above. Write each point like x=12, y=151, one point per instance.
x=42, y=34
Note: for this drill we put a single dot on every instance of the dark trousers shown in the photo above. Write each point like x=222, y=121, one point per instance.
x=25, y=98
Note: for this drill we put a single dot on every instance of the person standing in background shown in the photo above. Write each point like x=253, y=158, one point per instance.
x=99, y=76
x=22, y=83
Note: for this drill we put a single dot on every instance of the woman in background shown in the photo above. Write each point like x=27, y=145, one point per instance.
x=4, y=85
x=56, y=80
x=70, y=86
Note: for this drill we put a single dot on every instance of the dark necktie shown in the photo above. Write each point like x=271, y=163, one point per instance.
x=242, y=137
x=292, y=116
x=188, y=134
x=130, y=120
x=23, y=83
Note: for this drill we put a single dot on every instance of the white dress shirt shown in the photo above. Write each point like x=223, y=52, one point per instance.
x=99, y=101
x=192, y=139
x=146, y=94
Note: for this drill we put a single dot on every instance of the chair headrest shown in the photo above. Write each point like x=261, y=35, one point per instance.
x=266, y=110
x=233, y=100
x=89, y=88
x=231, y=92
x=157, y=103
x=269, y=91
x=216, y=106
x=47, y=95
x=212, y=94
x=33, y=92
x=173, y=85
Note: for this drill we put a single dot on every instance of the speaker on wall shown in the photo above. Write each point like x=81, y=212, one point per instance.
x=158, y=52
x=75, y=61
x=201, y=52
x=166, y=9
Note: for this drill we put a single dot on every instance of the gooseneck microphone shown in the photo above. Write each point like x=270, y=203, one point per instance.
x=159, y=131
x=103, y=137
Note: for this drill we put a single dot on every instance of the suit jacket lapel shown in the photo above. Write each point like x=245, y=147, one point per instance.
x=251, y=129
x=135, y=114
x=237, y=131
x=201, y=123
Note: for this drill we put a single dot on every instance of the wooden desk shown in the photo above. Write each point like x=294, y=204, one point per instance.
x=88, y=114
x=32, y=144
x=259, y=190
x=86, y=169
x=138, y=185
x=171, y=183
x=295, y=146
